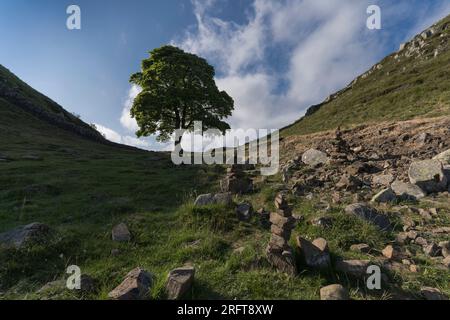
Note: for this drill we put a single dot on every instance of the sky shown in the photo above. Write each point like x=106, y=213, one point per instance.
x=275, y=58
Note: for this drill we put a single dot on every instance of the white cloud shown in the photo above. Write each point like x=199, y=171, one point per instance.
x=323, y=45
x=126, y=120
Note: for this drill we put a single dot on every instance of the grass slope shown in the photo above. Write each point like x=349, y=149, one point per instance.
x=402, y=89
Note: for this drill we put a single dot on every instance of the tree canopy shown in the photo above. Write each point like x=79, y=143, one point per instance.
x=178, y=88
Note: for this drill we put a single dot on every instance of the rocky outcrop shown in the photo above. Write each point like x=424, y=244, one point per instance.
x=369, y=214
x=218, y=198
x=24, y=235
x=428, y=175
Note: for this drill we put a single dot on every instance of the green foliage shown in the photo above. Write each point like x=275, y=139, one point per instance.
x=178, y=88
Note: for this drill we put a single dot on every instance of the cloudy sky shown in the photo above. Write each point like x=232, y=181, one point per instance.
x=275, y=58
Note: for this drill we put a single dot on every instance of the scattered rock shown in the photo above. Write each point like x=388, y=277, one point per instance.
x=391, y=252
x=314, y=158
x=362, y=248
x=432, y=250
x=120, y=233
x=355, y=268
x=445, y=248
x=87, y=283
x=407, y=191
x=349, y=183
x=324, y=222
x=315, y=254
x=369, y=214
x=428, y=175
x=421, y=241
x=135, y=286
x=384, y=196
x=179, y=282
x=244, y=211
x=383, y=180
x=443, y=157
x=446, y=262
x=218, y=198
x=432, y=294
x=334, y=292
x=31, y=233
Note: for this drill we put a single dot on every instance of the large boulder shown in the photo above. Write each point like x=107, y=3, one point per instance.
x=432, y=294
x=369, y=214
x=428, y=175
x=407, y=191
x=355, y=268
x=209, y=198
x=179, y=282
x=334, y=292
x=31, y=233
x=314, y=254
x=135, y=286
x=443, y=157
x=383, y=180
x=314, y=157
x=384, y=196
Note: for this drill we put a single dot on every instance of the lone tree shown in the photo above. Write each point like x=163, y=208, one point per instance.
x=178, y=88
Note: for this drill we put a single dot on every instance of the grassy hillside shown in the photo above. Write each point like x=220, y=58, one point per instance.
x=411, y=83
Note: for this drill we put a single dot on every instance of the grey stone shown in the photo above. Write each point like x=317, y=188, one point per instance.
x=179, y=282
x=315, y=254
x=31, y=233
x=445, y=247
x=355, y=268
x=384, y=196
x=362, y=247
x=120, y=233
x=369, y=214
x=383, y=180
x=432, y=250
x=334, y=292
x=443, y=157
x=428, y=175
x=218, y=198
x=432, y=294
x=244, y=211
x=407, y=191
x=313, y=157
x=135, y=286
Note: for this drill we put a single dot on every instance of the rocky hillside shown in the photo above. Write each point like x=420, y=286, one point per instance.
x=411, y=83
x=17, y=94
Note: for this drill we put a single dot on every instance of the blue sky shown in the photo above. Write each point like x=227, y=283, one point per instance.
x=274, y=57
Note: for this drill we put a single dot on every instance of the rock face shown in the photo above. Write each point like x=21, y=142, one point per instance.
x=218, y=198
x=32, y=233
x=384, y=196
x=428, y=175
x=120, y=233
x=314, y=254
x=179, y=282
x=334, y=292
x=407, y=191
x=314, y=157
x=279, y=253
x=135, y=286
x=369, y=214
